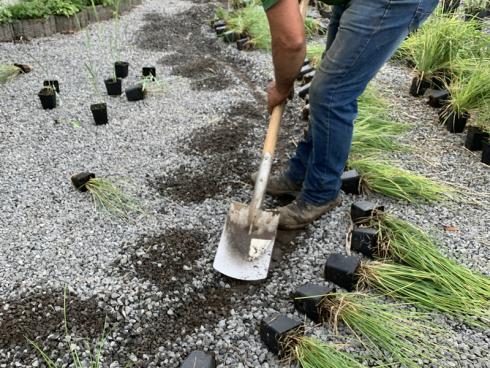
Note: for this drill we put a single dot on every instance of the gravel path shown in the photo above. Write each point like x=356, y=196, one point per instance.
x=152, y=280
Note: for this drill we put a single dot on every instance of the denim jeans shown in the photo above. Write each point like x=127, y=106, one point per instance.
x=362, y=36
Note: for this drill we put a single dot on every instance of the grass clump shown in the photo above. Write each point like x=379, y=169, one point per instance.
x=310, y=352
x=381, y=327
x=404, y=242
x=381, y=176
x=314, y=52
x=423, y=289
x=109, y=198
x=8, y=72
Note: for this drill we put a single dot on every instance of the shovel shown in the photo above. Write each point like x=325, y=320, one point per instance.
x=245, y=248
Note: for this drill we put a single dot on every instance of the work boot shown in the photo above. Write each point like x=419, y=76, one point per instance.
x=299, y=214
x=280, y=185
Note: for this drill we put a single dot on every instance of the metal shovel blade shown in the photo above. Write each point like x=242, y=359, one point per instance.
x=244, y=253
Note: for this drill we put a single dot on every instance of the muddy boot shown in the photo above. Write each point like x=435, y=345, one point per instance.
x=280, y=185
x=299, y=214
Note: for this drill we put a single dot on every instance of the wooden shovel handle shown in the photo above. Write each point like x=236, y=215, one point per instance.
x=276, y=116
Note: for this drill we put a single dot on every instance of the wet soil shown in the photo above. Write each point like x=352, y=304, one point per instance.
x=169, y=259
x=39, y=317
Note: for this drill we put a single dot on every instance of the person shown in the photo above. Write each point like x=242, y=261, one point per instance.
x=362, y=36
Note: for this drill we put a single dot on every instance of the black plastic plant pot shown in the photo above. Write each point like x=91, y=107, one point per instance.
x=342, y=270
x=47, y=96
x=243, y=44
x=218, y=23
x=453, y=122
x=199, y=359
x=364, y=240
x=307, y=299
x=122, y=69
x=438, y=98
x=485, y=157
x=351, y=182
x=99, y=112
x=305, y=70
x=474, y=138
x=81, y=179
x=363, y=210
x=53, y=84
x=304, y=91
x=135, y=93
x=114, y=87
x=419, y=87
x=307, y=78
x=221, y=30
x=274, y=330
x=149, y=71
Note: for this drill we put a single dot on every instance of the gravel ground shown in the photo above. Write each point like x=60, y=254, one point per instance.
x=151, y=280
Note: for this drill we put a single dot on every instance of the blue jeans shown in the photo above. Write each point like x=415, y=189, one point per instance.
x=362, y=36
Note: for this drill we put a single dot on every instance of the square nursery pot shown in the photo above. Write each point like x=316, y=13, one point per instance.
x=364, y=240
x=149, y=70
x=34, y=28
x=220, y=30
x=114, y=87
x=244, y=44
x=79, y=180
x=99, y=112
x=54, y=84
x=453, y=122
x=342, y=270
x=304, y=70
x=419, y=86
x=307, y=78
x=199, y=359
x=438, y=98
x=351, y=182
x=47, y=96
x=485, y=157
x=274, y=330
x=307, y=299
x=135, y=93
x=303, y=91
x=218, y=23
x=474, y=138
x=363, y=210
x=6, y=32
x=122, y=69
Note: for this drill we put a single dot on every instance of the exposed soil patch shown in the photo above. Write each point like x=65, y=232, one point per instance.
x=168, y=260
x=207, y=74
x=40, y=318
x=224, y=136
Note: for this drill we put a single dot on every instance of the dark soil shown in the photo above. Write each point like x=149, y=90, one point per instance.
x=207, y=74
x=225, y=136
x=39, y=317
x=166, y=256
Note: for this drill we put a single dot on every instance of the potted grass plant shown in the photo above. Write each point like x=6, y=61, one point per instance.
x=405, y=335
x=406, y=243
x=147, y=85
x=107, y=196
x=479, y=131
x=406, y=284
x=470, y=91
x=285, y=337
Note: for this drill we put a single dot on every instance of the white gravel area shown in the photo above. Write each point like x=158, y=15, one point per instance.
x=153, y=278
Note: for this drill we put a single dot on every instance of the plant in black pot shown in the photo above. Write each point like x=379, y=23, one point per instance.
x=469, y=91
x=148, y=84
x=479, y=132
x=47, y=96
x=485, y=157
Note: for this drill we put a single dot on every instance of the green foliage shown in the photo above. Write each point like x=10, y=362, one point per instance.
x=422, y=289
x=384, y=177
x=383, y=327
x=312, y=353
x=5, y=14
x=64, y=7
x=8, y=72
x=406, y=243
x=29, y=10
x=314, y=53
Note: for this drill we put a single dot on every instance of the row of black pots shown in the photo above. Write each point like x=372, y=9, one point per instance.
x=122, y=70
x=420, y=86
x=242, y=39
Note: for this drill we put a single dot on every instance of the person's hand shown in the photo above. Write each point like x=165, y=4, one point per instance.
x=276, y=97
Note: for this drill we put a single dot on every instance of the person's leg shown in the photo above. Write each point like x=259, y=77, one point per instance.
x=368, y=34
x=297, y=164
